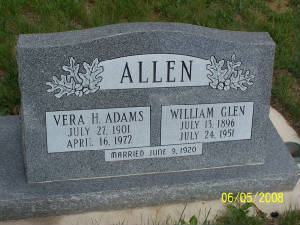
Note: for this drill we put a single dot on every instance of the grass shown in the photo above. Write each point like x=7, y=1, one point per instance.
x=287, y=93
x=281, y=18
x=239, y=214
x=290, y=217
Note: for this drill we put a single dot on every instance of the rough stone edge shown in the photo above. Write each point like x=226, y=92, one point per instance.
x=74, y=37
x=116, y=200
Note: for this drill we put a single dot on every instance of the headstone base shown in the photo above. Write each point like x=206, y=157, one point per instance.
x=18, y=199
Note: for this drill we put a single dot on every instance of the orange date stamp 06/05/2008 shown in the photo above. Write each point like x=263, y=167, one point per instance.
x=249, y=197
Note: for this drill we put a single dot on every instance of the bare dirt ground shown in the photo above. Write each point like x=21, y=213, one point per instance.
x=279, y=6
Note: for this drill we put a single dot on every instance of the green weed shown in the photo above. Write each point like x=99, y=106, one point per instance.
x=240, y=214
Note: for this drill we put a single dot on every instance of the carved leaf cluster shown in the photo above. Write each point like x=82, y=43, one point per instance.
x=76, y=82
x=224, y=78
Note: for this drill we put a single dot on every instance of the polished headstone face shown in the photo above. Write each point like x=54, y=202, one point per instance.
x=143, y=98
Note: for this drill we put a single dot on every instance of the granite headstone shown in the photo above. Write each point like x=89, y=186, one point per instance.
x=135, y=99
x=140, y=114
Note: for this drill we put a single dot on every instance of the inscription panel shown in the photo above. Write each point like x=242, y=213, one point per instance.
x=154, y=152
x=98, y=129
x=206, y=122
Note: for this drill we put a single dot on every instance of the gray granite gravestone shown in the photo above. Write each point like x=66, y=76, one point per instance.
x=138, y=114
x=136, y=99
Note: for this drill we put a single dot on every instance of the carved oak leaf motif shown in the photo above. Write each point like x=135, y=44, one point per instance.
x=91, y=79
x=72, y=69
x=75, y=82
x=239, y=80
x=231, y=77
x=217, y=72
x=64, y=86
